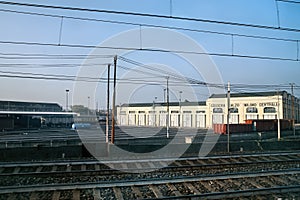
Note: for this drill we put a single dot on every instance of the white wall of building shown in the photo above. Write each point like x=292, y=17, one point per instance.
x=246, y=108
x=204, y=116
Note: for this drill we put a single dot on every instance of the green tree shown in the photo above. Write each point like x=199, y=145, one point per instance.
x=80, y=109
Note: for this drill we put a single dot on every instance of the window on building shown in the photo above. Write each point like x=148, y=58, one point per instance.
x=131, y=111
x=251, y=110
x=269, y=110
x=141, y=111
x=200, y=111
x=187, y=111
x=234, y=110
x=218, y=110
x=174, y=111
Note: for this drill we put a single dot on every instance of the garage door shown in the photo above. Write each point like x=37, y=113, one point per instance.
x=122, y=120
x=175, y=119
x=234, y=118
x=142, y=119
x=152, y=119
x=163, y=119
x=187, y=119
x=131, y=119
x=218, y=119
x=200, y=121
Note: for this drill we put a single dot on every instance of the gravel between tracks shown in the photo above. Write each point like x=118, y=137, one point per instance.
x=162, y=173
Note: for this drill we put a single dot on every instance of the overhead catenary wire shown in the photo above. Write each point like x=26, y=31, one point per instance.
x=289, y=1
x=170, y=27
x=44, y=66
x=50, y=56
x=63, y=77
x=177, y=28
x=173, y=75
x=43, y=6
x=177, y=79
x=168, y=74
x=235, y=87
x=148, y=50
x=55, y=77
x=149, y=25
x=56, y=55
x=151, y=68
x=154, y=72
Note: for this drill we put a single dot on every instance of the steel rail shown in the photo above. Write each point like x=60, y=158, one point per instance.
x=171, y=168
x=145, y=182
x=239, y=193
x=91, y=162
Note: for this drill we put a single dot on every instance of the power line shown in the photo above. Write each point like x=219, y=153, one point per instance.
x=58, y=77
x=28, y=75
x=156, y=73
x=56, y=55
x=43, y=66
x=41, y=58
x=169, y=74
x=141, y=72
x=151, y=68
x=212, y=32
x=78, y=79
x=175, y=81
x=288, y=1
x=49, y=56
x=165, y=73
x=148, y=50
x=149, y=25
x=146, y=15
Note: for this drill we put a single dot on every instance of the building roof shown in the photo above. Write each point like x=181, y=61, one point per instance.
x=29, y=106
x=200, y=103
x=249, y=94
x=28, y=102
x=36, y=113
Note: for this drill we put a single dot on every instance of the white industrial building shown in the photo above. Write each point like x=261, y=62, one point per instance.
x=243, y=106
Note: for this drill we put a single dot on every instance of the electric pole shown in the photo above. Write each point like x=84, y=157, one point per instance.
x=107, y=105
x=67, y=99
x=168, y=110
x=278, y=118
x=228, y=117
x=88, y=105
x=114, y=103
x=293, y=108
x=180, y=110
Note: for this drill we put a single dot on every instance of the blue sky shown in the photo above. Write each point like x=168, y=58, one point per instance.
x=42, y=29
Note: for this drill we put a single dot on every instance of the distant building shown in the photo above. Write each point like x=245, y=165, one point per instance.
x=243, y=106
x=29, y=106
x=25, y=115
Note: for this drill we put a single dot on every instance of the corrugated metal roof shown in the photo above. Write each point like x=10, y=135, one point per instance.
x=28, y=102
x=200, y=103
x=37, y=113
x=249, y=94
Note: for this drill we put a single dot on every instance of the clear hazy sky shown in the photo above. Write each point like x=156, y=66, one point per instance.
x=17, y=27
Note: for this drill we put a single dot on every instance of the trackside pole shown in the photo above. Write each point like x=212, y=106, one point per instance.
x=168, y=109
x=114, y=103
x=107, y=104
x=228, y=116
x=278, y=119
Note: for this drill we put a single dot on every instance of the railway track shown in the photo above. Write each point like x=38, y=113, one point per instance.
x=107, y=167
x=210, y=187
x=209, y=177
